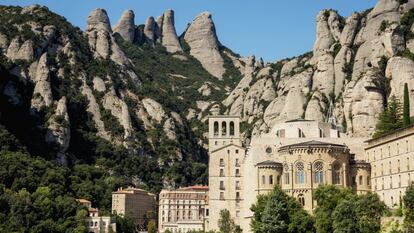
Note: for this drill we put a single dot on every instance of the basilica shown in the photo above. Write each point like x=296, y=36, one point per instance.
x=299, y=155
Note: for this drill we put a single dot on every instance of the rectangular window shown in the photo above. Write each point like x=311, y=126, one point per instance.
x=237, y=195
x=221, y=162
x=237, y=151
x=221, y=172
x=237, y=163
x=238, y=185
x=237, y=172
x=221, y=195
x=287, y=178
x=221, y=185
x=238, y=213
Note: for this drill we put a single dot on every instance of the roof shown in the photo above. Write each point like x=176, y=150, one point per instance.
x=311, y=144
x=390, y=133
x=297, y=120
x=195, y=187
x=81, y=200
x=223, y=116
x=131, y=190
x=268, y=163
x=228, y=145
x=92, y=210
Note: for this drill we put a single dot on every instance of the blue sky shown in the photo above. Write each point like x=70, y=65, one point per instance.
x=272, y=29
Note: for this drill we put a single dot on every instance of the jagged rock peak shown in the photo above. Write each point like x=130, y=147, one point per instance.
x=98, y=18
x=202, y=39
x=126, y=26
x=150, y=30
x=168, y=33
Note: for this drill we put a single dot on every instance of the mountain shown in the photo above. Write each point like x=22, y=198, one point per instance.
x=128, y=105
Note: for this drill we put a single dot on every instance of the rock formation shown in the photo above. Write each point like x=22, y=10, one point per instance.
x=205, y=47
x=126, y=26
x=168, y=34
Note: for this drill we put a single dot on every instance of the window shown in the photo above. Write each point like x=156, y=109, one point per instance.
x=318, y=172
x=221, y=185
x=301, y=199
x=382, y=169
x=237, y=172
x=263, y=180
x=408, y=164
x=321, y=133
x=237, y=161
x=223, y=128
x=300, y=133
x=375, y=170
x=231, y=128
x=398, y=165
x=368, y=180
x=238, y=185
x=221, y=195
x=382, y=185
x=221, y=162
x=216, y=128
x=237, y=195
x=286, y=174
x=360, y=180
x=399, y=181
x=221, y=172
x=278, y=180
x=336, y=174
x=390, y=181
x=270, y=179
x=238, y=213
x=389, y=168
x=268, y=150
x=300, y=173
x=237, y=151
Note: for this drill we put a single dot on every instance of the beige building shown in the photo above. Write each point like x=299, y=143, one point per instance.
x=95, y=222
x=298, y=155
x=226, y=156
x=182, y=210
x=137, y=203
x=392, y=163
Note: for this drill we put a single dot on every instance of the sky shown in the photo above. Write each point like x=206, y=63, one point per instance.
x=271, y=29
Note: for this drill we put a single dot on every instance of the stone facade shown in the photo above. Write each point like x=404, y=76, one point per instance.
x=392, y=162
x=95, y=222
x=134, y=202
x=225, y=169
x=298, y=155
x=182, y=210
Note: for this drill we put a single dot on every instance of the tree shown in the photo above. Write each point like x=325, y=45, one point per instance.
x=278, y=212
x=258, y=209
x=406, y=108
x=390, y=119
x=152, y=227
x=409, y=208
x=344, y=217
x=369, y=210
x=327, y=198
x=226, y=223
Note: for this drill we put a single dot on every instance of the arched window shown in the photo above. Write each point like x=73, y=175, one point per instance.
x=360, y=180
x=189, y=215
x=321, y=133
x=300, y=173
x=301, y=199
x=278, y=180
x=263, y=179
x=231, y=128
x=270, y=179
x=336, y=174
x=216, y=128
x=223, y=128
x=286, y=174
x=318, y=172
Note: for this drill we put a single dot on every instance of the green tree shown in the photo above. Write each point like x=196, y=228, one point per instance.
x=124, y=224
x=327, y=198
x=406, y=108
x=344, y=217
x=152, y=228
x=226, y=223
x=409, y=208
x=278, y=212
x=390, y=119
x=258, y=209
x=369, y=210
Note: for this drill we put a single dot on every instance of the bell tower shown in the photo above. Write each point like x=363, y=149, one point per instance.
x=223, y=130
